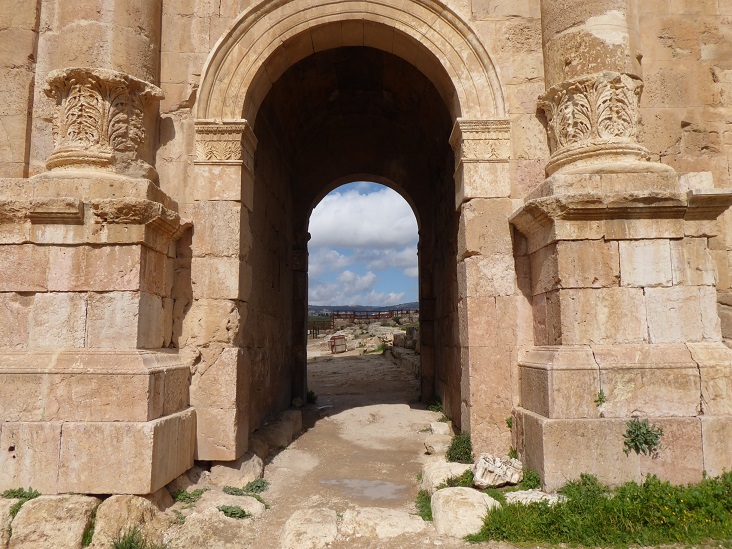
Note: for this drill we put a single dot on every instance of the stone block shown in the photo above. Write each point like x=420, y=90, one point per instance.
x=23, y=268
x=479, y=321
x=30, y=455
x=15, y=311
x=602, y=315
x=210, y=321
x=57, y=521
x=310, y=528
x=58, y=320
x=221, y=433
x=716, y=444
x=94, y=269
x=648, y=229
x=121, y=513
x=692, y=263
x=113, y=320
x=376, y=522
x=682, y=313
x=645, y=263
x=219, y=182
x=558, y=382
x=680, y=458
x=216, y=278
x=575, y=264
x=238, y=473
x=560, y=449
x=145, y=456
x=481, y=180
x=458, y=512
x=218, y=228
x=484, y=276
x=484, y=227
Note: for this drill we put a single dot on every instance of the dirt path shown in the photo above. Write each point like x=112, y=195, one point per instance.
x=362, y=448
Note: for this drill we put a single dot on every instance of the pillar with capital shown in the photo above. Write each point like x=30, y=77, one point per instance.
x=621, y=279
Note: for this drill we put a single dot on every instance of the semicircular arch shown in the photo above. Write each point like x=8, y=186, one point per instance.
x=274, y=34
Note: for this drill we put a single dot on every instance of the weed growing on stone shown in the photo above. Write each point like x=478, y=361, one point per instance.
x=232, y=491
x=185, y=496
x=256, y=486
x=234, y=511
x=22, y=496
x=133, y=539
x=465, y=480
x=651, y=513
x=642, y=438
x=509, y=422
x=435, y=406
x=88, y=534
x=424, y=505
x=513, y=453
x=461, y=448
x=179, y=517
x=601, y=399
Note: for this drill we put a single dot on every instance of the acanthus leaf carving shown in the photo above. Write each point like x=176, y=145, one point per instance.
x=100, y=114
x=593, y=115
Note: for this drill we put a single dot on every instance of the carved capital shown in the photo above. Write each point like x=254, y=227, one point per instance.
x=593, y=120
x=225, y=142
x=481, y=140
x=102, y=120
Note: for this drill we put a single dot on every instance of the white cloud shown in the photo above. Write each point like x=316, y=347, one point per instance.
x=411, y=272
x=381, y=219
x=324, y=260
x=352, y=289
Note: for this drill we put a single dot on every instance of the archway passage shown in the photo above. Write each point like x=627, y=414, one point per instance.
x=340, y=114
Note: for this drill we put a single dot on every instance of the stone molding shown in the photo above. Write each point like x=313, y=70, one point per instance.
x=225, y=142
x=481, y=140
x=100, y=117
x=63, y=211
x=593, y=119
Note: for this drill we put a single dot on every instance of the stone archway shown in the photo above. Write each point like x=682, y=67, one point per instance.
x=233, y=144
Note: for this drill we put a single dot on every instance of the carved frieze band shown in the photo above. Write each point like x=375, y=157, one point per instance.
x=481, y=140
x=225, y=142
x=592, y=116
x=100, y=115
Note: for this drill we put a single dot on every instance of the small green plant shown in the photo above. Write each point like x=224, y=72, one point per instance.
x=443, y=419
x=133, y=539
x=601, y=399
x=312, y=398
x=185, y=496
x=424, y=505
x=419, y=476
x=380, y=349
x=642, y=438
x=461, y=448
x=232, y=491
x=509, y=422
x=531, y=480
x=513, y=453
x=22, y=496
x=88, y=534
x=465, y=480
x=179, y=518
x=234, y=511
x=435, y=406
x=256, y=486
x=397, y=321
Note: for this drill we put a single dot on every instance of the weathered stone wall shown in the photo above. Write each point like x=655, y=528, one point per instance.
x=18, y=41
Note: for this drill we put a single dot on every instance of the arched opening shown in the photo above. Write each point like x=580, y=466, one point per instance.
x=299, y=98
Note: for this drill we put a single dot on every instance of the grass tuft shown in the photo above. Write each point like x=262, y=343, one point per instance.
x=88, y=534
x=651, y=513
x=22, y=495
x=256, y=486
x=465, y=480
x=461, y=448
x=424, y=505
x=133, y=539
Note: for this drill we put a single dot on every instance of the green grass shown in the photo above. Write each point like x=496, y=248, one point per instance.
x=424, y=505
x=22, y=495
x=88, y=534
x=234, y=511
x=188, y=497
x=461, y=448
x=256, y=486
x=465, y=480
x=232, y=491
x=133, y=539
x=435, y=406
x=651, y=513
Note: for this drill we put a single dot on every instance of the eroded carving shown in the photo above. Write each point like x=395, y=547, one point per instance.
x=593, y=116
x=225, y=142
x=100, y=117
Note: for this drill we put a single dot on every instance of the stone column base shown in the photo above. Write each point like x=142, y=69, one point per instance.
x=576, y=402
x=94, y=421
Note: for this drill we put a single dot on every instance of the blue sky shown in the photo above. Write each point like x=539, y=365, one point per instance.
x=363, y=249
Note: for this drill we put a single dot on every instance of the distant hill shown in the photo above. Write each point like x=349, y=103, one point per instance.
x=326, y=309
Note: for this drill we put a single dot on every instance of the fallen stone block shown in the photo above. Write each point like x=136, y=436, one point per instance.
x=237, y=473
x=526, y=497
x=381, y=523
x=437, y=444
x=491, y=471
x=52, y=521
x=206, y=530
x=440, y=428
x=118, y=515
x=438, y=471
x=458, y=512
x=309, y=529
